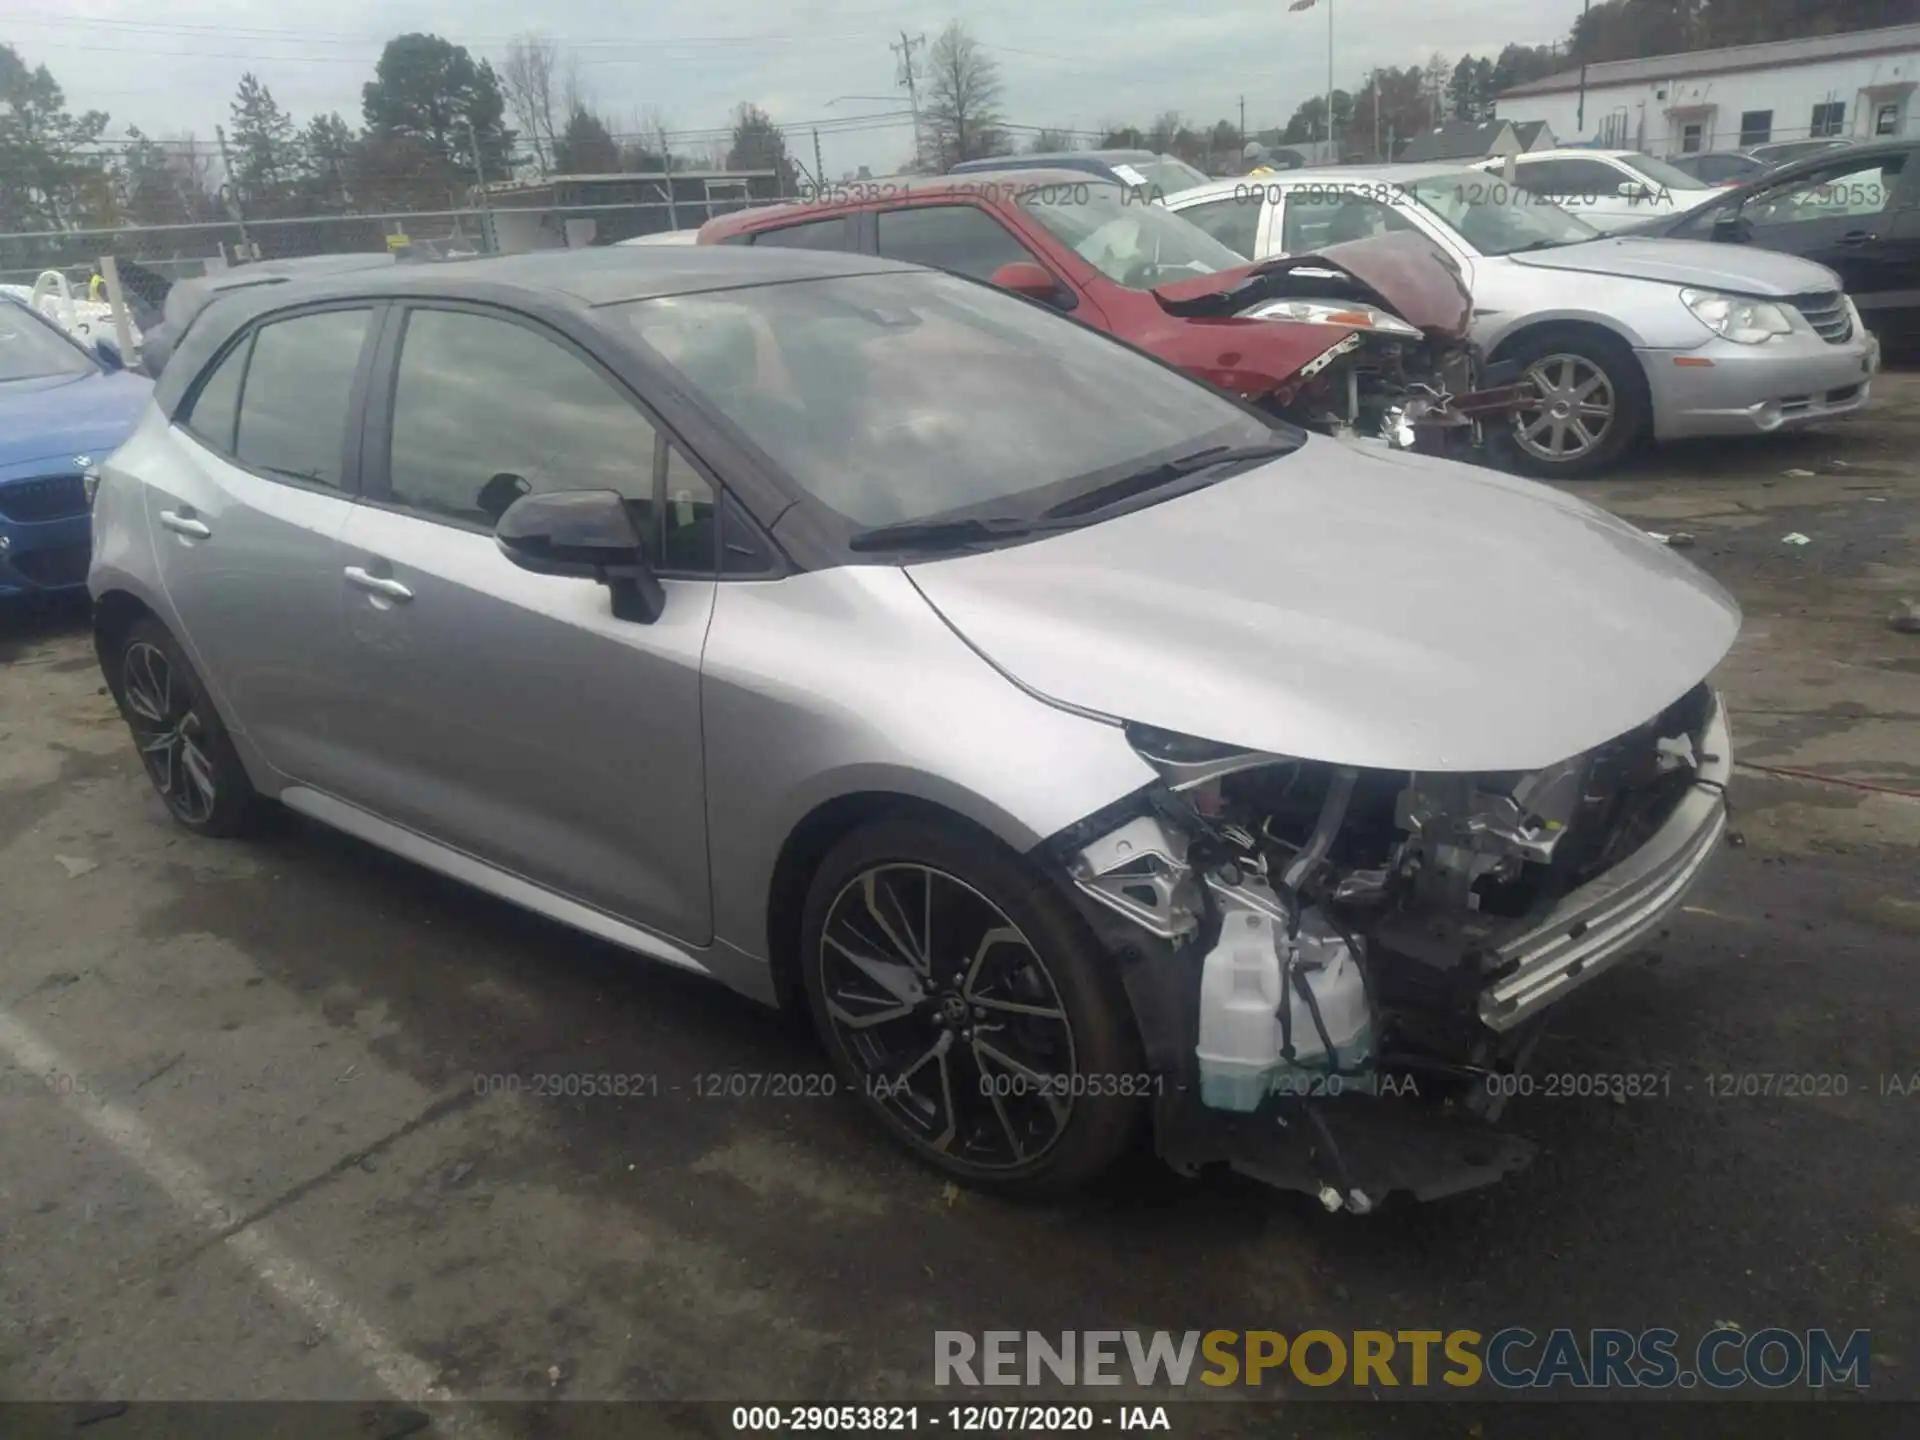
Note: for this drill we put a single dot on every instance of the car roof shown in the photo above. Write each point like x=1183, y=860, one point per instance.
x=600, y=275
x=1322, y=175
x=859, y=193
x=1014, y=162
x=1863, y=152
x=1570, y=152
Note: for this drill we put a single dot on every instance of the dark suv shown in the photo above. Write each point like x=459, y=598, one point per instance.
x=1162, y=175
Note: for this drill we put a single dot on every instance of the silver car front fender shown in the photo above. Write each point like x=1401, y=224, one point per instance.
x=845, y=683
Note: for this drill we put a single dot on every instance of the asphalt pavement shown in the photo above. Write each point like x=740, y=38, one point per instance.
x=272, y=1128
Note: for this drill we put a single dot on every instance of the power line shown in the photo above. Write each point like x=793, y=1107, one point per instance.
x=374, y=44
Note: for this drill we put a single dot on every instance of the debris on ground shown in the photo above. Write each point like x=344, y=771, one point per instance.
x=1681, y=540
x=75, y=865
x=1906, y=617
x=1796, y=538
x=1799, y=474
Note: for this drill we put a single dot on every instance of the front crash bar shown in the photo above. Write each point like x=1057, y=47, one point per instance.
x=1597, y=926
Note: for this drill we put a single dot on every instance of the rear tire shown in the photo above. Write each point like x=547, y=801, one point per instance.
x=971, y=1010
x=1592, y=404
x=182, y=741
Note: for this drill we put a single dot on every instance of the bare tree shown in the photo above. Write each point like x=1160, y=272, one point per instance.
x=531, y=77
x=574, y=93
x=962, y=111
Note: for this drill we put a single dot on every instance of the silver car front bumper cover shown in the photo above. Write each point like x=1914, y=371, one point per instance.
x=1598, y=925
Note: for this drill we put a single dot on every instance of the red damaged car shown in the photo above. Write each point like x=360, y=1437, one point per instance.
x=1365, y=338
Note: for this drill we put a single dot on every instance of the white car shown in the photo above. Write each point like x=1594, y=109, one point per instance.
x=1609, y=189
x=1620, y=336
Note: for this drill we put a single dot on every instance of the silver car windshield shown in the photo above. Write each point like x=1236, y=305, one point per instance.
x=1126, y=238
x=1168, y=175
x=31, y=350
x=899, y=397
x=1495, y=217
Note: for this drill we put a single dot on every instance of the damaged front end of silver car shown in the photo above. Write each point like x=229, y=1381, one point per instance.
x=1341, y=965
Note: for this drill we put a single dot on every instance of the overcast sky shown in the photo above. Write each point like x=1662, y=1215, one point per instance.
x=1073, y=63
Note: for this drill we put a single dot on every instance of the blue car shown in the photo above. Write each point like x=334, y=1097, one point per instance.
x=63, y=408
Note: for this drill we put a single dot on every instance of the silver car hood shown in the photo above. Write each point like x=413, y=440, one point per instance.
x=1742, y=269
x=1353, y=605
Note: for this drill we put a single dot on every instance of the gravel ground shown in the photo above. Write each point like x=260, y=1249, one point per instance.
x=279, y=1181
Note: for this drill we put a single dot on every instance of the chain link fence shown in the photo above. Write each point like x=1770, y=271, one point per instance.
x=69, y=266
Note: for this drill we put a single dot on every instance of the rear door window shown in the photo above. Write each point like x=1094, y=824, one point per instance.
x=298, y=392
x=217, y=407
x=1320, y=216
x=1233, y=220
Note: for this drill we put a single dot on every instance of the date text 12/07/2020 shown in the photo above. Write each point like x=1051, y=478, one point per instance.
x=959, y=1419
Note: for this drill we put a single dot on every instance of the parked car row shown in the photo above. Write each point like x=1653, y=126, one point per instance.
x=64, y=407
x=1620, y=337
x=1089, y=751
x=1349, y=339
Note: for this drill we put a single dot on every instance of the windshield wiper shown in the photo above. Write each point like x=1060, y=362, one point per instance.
x=1154, y=476
x=941, y=534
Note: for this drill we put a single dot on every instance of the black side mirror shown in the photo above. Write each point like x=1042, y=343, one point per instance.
x=108, y=353
x=588, y=534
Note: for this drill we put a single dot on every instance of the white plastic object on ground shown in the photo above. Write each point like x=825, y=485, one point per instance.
x=85, y=320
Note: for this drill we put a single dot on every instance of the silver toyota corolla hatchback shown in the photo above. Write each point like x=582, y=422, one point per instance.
x=1087, y=751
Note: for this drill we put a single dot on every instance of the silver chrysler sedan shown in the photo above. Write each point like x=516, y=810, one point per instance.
x=1088, y=752
x=1621, y=338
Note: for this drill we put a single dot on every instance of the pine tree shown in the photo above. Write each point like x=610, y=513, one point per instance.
x=266, y=152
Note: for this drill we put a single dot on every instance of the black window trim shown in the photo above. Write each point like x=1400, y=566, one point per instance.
x=849, y=240
x=376, y=436
x=352, y=444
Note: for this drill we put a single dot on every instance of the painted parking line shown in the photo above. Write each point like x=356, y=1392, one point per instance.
x=403, y=1375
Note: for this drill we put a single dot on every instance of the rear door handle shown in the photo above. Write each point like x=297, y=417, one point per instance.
x=1857, y=237
x=184, y=524
x=378, y=584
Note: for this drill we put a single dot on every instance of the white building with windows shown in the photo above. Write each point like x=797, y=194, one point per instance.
x=1856, y=86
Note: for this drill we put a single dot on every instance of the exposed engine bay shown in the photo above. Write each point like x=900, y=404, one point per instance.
x=1357, y=956
x=1405, y=373
x=1385, y=380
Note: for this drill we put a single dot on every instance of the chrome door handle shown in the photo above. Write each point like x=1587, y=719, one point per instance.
x=184, y=524
x=378, y=584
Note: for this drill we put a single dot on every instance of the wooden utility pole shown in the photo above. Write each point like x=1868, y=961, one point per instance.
x=909, y=76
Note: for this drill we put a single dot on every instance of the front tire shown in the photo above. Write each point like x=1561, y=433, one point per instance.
x=183, y=743
x=967, y=1004
x=1589, y=404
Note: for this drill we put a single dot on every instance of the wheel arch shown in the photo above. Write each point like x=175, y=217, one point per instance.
x=114, y=613
x=813, y=837
x=1571, y=323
